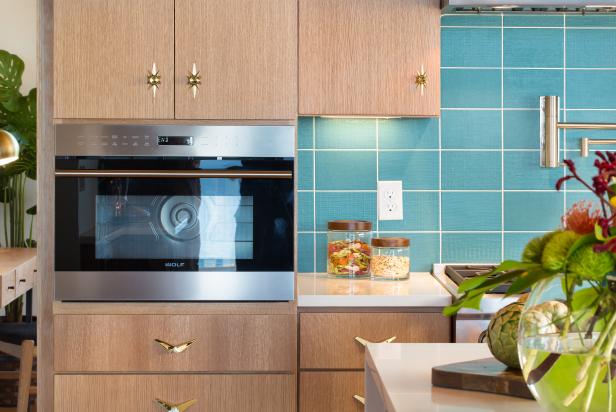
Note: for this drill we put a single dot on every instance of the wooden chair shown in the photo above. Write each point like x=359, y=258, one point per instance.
x=19, y=340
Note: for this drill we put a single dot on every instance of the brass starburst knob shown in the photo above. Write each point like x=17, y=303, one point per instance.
x=178, y=407
x=194, y=80
x=421, y=80
x=153, y=79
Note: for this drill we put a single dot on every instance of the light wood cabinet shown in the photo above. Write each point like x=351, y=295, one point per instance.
x=244, y=50
x=327, y=340
x=222, y=343
x=103, y=50
x=246, y=54
x=212, y=393
x=331, y=359
x=362, y=57
x=321, y=390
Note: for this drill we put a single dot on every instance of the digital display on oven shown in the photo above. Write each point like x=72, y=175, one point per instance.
x=175, y=140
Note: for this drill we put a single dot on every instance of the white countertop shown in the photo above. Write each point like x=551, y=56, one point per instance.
x=400, y=380
x=420, y=290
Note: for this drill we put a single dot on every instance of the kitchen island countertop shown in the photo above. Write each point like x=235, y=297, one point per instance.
x=420, y=290
x=398, y=378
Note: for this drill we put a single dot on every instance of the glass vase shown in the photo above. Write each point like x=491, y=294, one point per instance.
x=567, y=352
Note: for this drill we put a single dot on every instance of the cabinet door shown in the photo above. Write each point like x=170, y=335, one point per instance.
x=362, y=57
x=103, y=50
x=138, y=393
x=246, y=54
x=340, y=391
x=328, y=340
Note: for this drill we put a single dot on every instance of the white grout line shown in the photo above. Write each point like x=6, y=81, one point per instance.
x=377, y=174
x=440, y=192
x=502, y=79
x=564, y=106
x=532, y=27
x=434, y=232
x=314, y=196
x=420, y=150
x=555, y=68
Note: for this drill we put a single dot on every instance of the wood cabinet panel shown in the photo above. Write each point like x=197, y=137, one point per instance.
x=7, y=283
x=103, y=50
x=24, y=277
x=126, y=343
x=327, y=340
x=246, y=53
x=361, y=57
x=213, y=393
x=330, y=391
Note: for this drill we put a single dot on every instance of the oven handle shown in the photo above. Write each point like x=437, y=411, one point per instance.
x=224, y=174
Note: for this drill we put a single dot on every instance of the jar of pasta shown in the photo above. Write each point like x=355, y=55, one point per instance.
x=390, y=258
x=348, y=248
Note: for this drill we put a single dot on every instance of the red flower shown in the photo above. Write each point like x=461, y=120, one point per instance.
x=581, y=218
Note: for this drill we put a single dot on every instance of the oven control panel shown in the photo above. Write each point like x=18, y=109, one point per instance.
x=174, y=140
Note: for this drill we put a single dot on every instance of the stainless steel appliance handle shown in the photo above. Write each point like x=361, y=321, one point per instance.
x=225, y=174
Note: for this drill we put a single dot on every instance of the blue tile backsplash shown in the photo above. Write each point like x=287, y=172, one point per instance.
x=473, y=188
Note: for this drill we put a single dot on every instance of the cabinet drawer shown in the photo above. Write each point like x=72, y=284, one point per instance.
x=215, y=393
x=24, y=277
x=331, y=391
x=222, y=343
x=327, y=340
x=7, y=282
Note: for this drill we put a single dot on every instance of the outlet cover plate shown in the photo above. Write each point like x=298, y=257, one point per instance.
x=389, y=199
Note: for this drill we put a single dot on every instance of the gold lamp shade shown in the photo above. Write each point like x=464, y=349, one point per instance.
x=9, y=148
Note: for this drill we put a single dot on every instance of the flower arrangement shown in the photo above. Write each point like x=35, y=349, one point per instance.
x=581, y=255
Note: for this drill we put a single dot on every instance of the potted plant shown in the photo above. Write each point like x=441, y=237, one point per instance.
x=18, y=117
x=567, y=330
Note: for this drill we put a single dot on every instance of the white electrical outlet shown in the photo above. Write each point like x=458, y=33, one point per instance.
x=390, y=199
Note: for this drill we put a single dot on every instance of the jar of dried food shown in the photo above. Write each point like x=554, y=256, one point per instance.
x=390, y=258
x=348, y=248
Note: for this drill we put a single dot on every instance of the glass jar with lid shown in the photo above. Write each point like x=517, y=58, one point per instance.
x=390, y=258
x=348, y=248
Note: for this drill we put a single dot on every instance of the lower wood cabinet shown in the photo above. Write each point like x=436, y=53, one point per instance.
x=212, y=393
x=328, y=340
x=339, y=391
x=332, y=351
x=138, y=343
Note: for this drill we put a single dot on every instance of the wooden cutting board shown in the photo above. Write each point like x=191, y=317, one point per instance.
x=483, y=375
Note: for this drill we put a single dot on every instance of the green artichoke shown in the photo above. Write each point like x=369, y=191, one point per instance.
x=555, y=252
x=588, y=264
x=503, y=334
x=534, y=249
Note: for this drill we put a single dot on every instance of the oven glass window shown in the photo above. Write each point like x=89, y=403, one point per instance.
x=106, y=223
x=215, y=229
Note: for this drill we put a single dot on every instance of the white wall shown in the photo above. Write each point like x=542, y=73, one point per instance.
x=18, y=35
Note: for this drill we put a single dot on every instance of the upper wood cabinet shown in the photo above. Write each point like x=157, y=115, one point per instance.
x=244, y=50
x=246, y=54
x=103, y=50
x=361, y=57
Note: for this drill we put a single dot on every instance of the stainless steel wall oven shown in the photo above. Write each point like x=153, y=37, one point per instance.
x=174, y=213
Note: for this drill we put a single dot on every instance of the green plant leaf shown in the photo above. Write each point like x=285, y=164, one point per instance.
x=506, y=266
x=31, y=211
x=11, y=70
x=599, y=232
x=527, y=279
x=584, y=298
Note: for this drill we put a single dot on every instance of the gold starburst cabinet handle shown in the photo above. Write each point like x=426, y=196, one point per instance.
x=153, y=79
x=360, y=399
x=194, y=80
x=421, y=80
x=177, y=407
x=175, y=348
x=365, y=342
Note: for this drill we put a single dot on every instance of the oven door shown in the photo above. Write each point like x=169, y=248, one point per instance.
x=135, y=229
